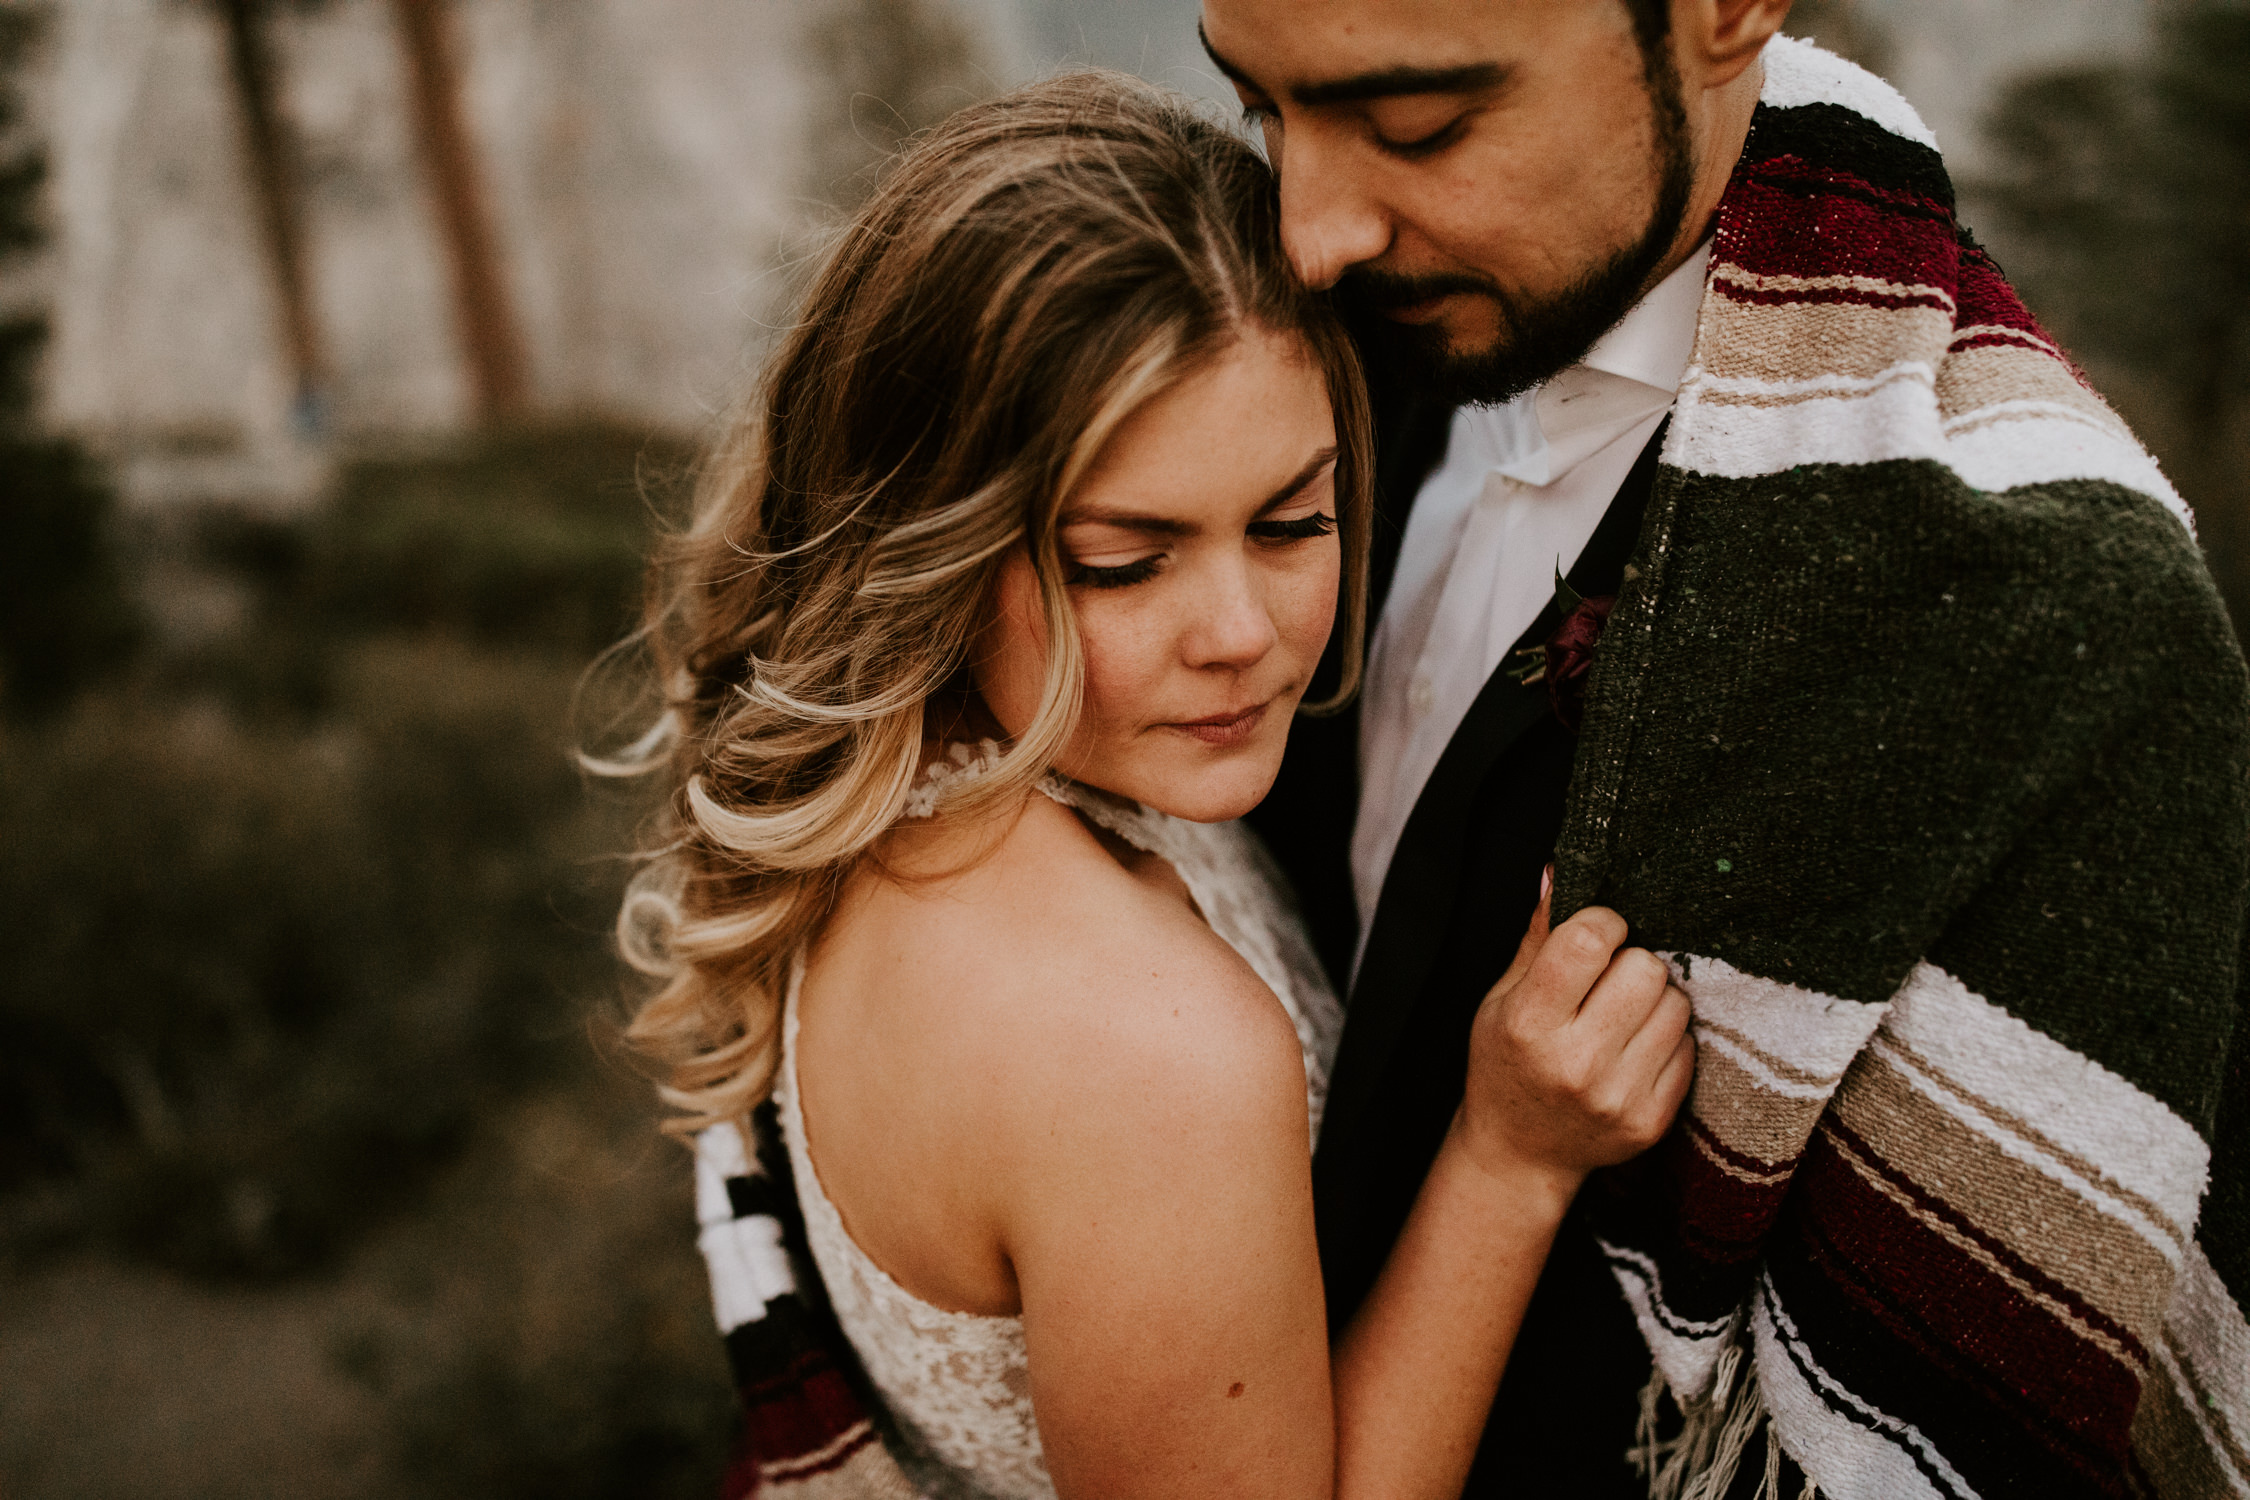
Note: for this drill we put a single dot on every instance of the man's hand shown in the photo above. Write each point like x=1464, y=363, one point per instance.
x=1579, y=1056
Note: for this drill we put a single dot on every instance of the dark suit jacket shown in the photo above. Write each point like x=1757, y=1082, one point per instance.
x=1460, y=891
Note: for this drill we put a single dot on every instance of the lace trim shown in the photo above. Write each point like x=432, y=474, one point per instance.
x=960, y=763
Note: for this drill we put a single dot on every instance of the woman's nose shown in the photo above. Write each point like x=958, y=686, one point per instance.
x=1327, y=224
x=1234, y=628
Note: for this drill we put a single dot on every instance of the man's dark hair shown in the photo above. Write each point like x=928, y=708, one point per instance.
x=1652, y=22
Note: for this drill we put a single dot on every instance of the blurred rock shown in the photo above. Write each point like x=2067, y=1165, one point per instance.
x=648, y=170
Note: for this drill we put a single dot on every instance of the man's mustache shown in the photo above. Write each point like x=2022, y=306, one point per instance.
x=1381, y=291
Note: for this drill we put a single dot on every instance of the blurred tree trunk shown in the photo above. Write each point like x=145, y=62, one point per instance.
x=492, y=342
x=275, y=179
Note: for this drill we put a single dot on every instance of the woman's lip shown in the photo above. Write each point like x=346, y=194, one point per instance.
x=1223, y=729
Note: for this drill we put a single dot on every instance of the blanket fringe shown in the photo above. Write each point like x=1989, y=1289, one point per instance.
x=1700, y=1463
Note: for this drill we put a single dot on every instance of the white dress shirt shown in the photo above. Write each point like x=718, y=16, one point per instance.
x=1517, y=497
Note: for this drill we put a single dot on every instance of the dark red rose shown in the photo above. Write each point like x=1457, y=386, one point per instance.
x=1570, y=656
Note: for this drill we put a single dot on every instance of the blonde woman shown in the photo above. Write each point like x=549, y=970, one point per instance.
x=988, y=626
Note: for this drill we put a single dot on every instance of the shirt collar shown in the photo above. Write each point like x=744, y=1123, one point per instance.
x=1631, y=372
x=1654, y=342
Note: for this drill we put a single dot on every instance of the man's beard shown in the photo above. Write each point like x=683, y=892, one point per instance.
x=1539, y=339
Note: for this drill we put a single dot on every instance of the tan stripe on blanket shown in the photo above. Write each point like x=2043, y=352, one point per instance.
x=1743, y=1114
x=1737, y=276
x=2059, y=1310
x=1749, y=341
x=1996, y=373
x=2056, y=1230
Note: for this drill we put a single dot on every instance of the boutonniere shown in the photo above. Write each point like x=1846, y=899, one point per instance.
x=1563, y=662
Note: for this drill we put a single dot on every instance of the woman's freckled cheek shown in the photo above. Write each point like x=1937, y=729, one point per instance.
x=1124, y=667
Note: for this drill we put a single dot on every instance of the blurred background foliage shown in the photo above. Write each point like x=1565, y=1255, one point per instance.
x=303, y=925
x=305, y=1097
x=318, y=1173
x=2122, y=190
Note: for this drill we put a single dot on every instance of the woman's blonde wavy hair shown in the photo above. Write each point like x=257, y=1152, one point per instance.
x=1028, y=274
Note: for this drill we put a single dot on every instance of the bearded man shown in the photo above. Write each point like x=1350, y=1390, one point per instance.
x=1915, y=738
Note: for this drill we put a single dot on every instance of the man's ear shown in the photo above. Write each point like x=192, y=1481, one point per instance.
x=1729, y=34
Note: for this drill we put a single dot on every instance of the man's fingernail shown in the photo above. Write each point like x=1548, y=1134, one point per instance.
x=1546, y=882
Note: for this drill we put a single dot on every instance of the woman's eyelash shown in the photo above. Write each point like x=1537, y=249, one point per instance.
x=1303, y=529
x=1124, y=574
x=1141, y=570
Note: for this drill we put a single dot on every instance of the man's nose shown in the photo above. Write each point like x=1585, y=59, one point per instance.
x=1328, y=224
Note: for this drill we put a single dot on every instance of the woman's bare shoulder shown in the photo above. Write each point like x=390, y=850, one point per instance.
x=1056, y=977
x=1059, y=1032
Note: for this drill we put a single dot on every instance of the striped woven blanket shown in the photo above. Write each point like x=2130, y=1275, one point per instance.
x=1919, y=742
x=808, y=1414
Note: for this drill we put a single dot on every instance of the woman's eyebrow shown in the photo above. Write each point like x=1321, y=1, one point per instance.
x=1129, y=520
x=1300, y=479
x=1154, y=525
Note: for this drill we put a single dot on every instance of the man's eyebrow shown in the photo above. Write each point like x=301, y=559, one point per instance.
x=1234, y=74
x=1380, y=83
x=1400, y=83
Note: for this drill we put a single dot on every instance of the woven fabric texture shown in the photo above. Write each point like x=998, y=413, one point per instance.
x=1919, y=745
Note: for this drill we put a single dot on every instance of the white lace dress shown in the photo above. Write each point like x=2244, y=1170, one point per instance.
x=956, y=1384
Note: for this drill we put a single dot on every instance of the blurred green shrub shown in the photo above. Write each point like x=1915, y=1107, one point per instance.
x=64, y=617
x=301, y=932
x=598, y=1372
x=282, y=915
x=260, y=977
x=533, y=538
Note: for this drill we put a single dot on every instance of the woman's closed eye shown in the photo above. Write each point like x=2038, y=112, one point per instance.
x=1114, y=575
x=1299, y=529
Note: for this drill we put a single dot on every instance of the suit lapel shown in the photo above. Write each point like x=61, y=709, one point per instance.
x=1417, y=902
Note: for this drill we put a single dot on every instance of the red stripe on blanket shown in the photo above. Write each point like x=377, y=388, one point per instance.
x=1722, y=1219
x=1775, y=229
x=1986, y=297
x=800, y=1411
x=1927, y=1288
x=1801, y=178
x=1999, y=340
x=741, y=1479
x=1809, y=296
x=1988, y=301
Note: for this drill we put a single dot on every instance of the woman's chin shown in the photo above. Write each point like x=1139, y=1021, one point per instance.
x=1223, y=787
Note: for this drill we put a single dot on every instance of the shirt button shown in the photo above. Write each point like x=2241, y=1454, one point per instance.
x=1421, y=697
